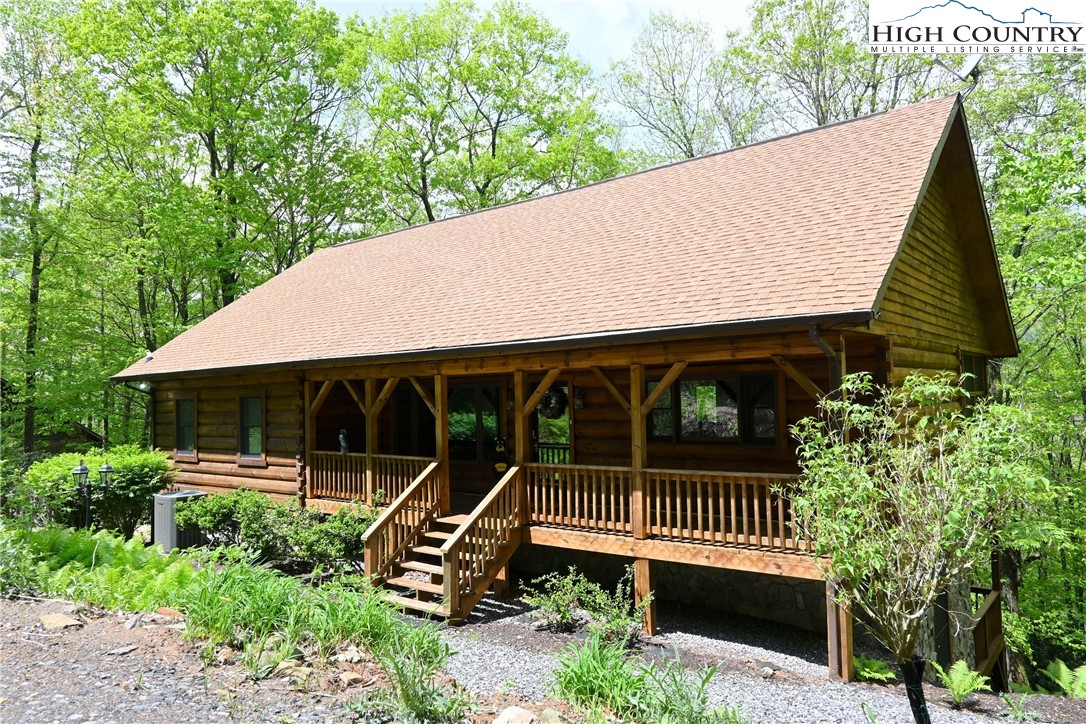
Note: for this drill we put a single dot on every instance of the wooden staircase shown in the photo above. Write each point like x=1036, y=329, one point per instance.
x=437, y=564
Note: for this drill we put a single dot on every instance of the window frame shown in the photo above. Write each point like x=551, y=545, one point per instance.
x=740, y=439
x=981, y=380
x=192, y=455
x=253, y=460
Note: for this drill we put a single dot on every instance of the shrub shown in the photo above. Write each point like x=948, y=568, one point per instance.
x=961, y=681
x=566, y=601
x=558, y=599
x=51, y=494
x=276, y=532
x=1071, y=683
x=873, y=670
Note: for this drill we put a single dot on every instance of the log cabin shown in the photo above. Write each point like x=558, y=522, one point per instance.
x=611, y=370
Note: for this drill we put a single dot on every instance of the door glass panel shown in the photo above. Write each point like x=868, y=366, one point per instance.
x=462, y=423
x=490, y=403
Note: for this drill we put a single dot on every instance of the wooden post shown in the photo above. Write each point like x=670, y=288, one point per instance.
x=441, y=442
x=833, y=638
x=501, y=582
x=839, y=622
x=643, y=588
x=308, y=445
x=371, y=439
x=639, y=451
x=521, y=443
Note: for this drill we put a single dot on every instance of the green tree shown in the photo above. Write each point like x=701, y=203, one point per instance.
x=469, y=109
x=809, y=59
x=677, y=87
x=1029, y=127
x=903, y=491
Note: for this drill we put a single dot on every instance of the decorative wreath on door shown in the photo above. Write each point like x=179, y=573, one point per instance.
x=553, y=405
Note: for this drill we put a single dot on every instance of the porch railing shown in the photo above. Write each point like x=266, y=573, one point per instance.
x=401, y=523
x=552, y=453
x=592, y=498
x=393, y=473
x=743, y=509
x=342, y=476
x=482, y=544
x=716, y=508
x=337, y=475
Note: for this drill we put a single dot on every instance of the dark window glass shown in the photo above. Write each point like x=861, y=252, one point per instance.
x=252, y=425
x=737, y=408
x=186, y=425
x=759, y=408
x=661, y=416
x=976, y=367
x=708, y=409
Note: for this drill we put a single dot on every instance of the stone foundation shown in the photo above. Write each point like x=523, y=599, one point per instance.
x=791, y=601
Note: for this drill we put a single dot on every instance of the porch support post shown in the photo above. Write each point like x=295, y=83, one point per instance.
x=371, y=438
x=308, y=402
x=842, y=667
x=521, y=444
x=643, y=587
x=639, y=451
x=441, y=438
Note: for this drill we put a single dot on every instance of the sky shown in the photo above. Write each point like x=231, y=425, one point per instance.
x=599, y=30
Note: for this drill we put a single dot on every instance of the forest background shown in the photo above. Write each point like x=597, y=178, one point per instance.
x=159, y=158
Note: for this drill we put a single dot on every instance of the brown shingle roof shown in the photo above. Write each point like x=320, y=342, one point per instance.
x=798, y=226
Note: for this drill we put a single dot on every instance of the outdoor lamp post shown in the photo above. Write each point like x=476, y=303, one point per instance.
x=79, y=475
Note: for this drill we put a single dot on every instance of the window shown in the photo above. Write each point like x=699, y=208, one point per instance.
x=186, y=427
x=730, y=409
x=251, y=442
x=977, y=366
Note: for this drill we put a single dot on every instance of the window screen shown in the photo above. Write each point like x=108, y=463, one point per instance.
x=186, y=426
x=252, y=425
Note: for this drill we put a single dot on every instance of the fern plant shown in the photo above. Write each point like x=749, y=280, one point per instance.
x=961, y=681
x=873, y=670
x=1071, y=683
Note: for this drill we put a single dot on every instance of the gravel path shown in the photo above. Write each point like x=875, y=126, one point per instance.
x=500, y=650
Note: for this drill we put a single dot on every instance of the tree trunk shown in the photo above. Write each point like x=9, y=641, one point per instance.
x=1011, y=566
x=37, y=245
x=912, y=672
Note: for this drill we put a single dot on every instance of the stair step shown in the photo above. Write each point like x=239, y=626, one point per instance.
x=402, y=582
x=422, y=567
x=426, y=550
x=439, y=534
x=415, y=604
x=456, y=520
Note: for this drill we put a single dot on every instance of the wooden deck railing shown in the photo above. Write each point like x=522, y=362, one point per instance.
x=482, y=544
x=393, y=473
x=988, y=631
x=722, y=508
x=402, y=521
x=552, y=453
x=592, y=498
x=341, y=476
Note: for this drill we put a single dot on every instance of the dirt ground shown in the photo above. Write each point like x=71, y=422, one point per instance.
x=141, y=668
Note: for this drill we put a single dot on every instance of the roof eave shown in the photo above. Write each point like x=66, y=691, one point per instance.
x=650, y=334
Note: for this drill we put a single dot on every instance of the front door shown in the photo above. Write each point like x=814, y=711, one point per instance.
x=475, y=429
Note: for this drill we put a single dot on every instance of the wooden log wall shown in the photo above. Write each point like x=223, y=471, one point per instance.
x=601, y=430
x=931, y=308
x=216, y=468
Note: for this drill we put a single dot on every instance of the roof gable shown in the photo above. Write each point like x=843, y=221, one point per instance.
x=800, y=227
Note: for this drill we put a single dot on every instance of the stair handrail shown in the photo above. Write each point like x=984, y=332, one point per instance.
x=405, y=517
x=503, y=494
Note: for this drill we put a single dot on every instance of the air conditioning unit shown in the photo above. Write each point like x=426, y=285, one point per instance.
x=164, y=530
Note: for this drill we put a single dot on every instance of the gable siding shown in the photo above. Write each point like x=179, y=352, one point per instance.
x=930, y=308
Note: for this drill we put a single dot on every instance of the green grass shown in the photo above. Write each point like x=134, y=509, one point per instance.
x=602, y=676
